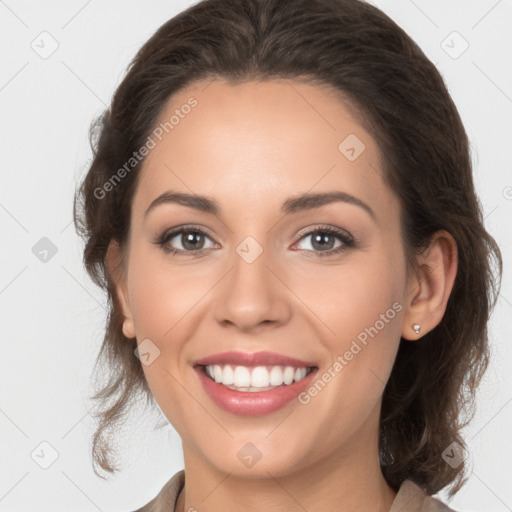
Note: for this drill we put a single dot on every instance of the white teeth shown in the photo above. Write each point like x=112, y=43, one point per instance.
x=217, y=373
x=276, y=376
x=288, y=375
x=258, y=378
x=228, y=377
x=242, y=377
x=300, y=373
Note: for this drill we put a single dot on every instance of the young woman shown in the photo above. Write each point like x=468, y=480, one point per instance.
x=282, y=212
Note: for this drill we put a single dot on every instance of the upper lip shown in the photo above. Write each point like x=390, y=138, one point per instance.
x=253, y=359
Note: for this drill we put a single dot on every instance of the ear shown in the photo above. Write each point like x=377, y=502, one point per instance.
x=429, y=288
x=115, y=265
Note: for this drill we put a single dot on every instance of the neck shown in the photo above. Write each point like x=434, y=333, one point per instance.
x=345, y=482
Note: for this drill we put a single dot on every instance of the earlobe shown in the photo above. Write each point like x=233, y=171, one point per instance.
x=114, y=264
x=128, y=329
x=430, y=288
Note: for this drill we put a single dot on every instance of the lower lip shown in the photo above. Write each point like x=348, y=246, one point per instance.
x=245, y=403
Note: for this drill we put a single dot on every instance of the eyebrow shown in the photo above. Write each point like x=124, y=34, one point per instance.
x=294, y=204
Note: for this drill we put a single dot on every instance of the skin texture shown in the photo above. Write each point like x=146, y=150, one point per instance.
x=251, y=146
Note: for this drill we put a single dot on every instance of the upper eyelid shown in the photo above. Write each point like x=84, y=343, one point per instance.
x=322, y=227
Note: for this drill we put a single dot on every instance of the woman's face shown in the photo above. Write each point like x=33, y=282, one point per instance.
x=319, y=281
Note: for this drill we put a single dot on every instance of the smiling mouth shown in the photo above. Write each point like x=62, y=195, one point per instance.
x=255, y=378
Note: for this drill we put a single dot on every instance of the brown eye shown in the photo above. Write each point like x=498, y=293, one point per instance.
x=184, y=240
x=191, y=240
x=323, y=241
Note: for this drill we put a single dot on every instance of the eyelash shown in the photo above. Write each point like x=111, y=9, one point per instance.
x=347, y=240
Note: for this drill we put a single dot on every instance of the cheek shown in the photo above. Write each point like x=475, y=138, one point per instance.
x=359, y=306
x=162, y=299
x=161, y=294
x=351, y=297
x=166, y=306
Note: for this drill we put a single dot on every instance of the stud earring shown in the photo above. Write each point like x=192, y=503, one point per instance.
x=416, y=328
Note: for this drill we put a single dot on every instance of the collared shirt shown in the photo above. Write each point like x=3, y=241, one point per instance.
x=410, y=498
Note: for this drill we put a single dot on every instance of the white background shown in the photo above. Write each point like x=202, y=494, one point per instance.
x=52, y=315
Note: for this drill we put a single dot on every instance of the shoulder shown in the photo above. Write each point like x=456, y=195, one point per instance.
x=412, y=498
x=165, y=500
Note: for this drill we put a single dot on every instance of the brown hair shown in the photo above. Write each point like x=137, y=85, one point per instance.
x=403, y=102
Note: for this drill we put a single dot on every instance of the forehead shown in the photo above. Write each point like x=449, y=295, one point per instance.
x=254, y=143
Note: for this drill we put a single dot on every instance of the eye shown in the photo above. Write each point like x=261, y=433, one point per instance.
x=184, y=240
x=323, y=241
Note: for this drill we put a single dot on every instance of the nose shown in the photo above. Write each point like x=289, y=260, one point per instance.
x=253, y=294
